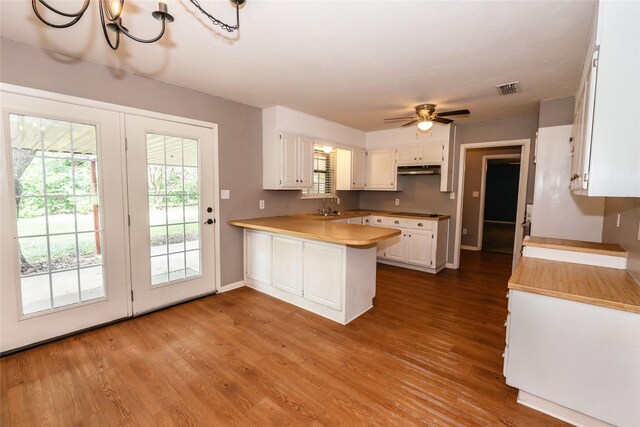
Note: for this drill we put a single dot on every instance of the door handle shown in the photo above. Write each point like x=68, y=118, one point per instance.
x=209, y=221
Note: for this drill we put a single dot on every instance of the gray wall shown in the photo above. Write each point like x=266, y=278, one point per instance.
x=556, y=112
x=472, y=182
x=627, y=234
x=239, y=126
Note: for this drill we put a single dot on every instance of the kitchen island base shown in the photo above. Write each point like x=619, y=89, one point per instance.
x=332, y=280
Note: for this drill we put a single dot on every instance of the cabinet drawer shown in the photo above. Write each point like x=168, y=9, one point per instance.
x=377, y=220
x=395, y=222
x=366, y=220
x=421, y=224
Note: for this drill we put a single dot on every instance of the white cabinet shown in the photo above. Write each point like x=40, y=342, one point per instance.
x=350, y=169
x=420, y=247
x=381, y=172
x=606, y=135
x=357, y=221
x=323, y=274
x=258, y=256
x=580, y=356
x=287, y=264
x=421, y=154
x=287, y=162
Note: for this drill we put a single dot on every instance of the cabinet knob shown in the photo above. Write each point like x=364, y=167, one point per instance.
x=420, y=158
x=419, y=224
x=396, y=222
x=379, y=220
x=415, y=158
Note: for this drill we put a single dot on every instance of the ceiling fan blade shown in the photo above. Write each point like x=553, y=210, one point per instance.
x=454, y=113
x=398, y=118
x=409, y=124
x=442, y=120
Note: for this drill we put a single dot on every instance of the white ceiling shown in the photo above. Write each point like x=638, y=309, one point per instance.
x=354, y=62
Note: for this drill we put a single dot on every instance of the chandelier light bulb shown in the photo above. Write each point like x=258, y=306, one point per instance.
x=425, y=125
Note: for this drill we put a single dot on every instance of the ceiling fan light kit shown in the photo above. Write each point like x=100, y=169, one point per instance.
x=111, y=19
x=426, y=116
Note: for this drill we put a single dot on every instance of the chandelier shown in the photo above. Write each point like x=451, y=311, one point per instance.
x=111, y=18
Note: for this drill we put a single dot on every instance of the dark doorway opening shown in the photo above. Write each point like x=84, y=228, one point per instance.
x=500, y=205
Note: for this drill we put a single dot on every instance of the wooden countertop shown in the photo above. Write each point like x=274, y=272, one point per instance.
x=611, y=249
x=606, y=287
x=327, y=231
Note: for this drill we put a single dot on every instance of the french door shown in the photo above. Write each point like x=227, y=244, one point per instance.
x=63, y=247
x=171, y=203
x=103, y=215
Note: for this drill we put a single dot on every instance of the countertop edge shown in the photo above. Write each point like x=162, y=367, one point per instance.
x=558, y=246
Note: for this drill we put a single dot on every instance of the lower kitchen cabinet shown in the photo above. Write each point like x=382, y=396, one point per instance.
x=323, y=274
x=420, y=247
x=287, y=264
x=258, y=256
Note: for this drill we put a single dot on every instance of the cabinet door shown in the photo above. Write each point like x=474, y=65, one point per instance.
x=287, y=264
x=357, y=220
x=357, y=169
x=430, y=154
x=289, y=160
x=324, y=274
x=419, y=248
x=396, y=248
x=305, y=163
x=381, y=170
x=407, y=156
x=258, y=256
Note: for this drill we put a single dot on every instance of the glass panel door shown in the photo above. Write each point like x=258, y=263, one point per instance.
x=170, y=168
x=60, y=244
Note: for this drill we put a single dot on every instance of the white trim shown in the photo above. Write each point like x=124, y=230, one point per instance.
x=483, y=183
x=232, y=286
x=86, y=102
x=599, y=260
x=522, y=191
x=558, y=411
x=449, y=265
x=470, y=248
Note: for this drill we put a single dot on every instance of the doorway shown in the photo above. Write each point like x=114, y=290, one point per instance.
x=469, y=190
x=498, y=202
x=83, y=223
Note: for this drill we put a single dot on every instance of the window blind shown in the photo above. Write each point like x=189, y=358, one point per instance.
x=324, y=167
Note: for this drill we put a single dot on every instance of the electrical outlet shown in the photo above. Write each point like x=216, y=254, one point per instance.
x=337, y=200
x=397, y=202
x=638, y=230
x=261, y=204
x=452, y=195
x=618, y=221
x=225, y=194
x=464, y=231
x=476, y=194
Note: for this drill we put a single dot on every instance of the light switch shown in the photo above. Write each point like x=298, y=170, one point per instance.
x=225, y=194
x=476, y=194
x=337, y=200
x=397, y=202
x=452, y=196
x=618, y=221
x=464, y=231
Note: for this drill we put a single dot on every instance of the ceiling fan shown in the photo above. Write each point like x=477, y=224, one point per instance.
x=426, y=115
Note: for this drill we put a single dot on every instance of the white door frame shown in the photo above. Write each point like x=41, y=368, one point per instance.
x=483, y=184
x=122, y=110
x=522, y=190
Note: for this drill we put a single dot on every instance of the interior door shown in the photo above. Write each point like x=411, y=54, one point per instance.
x=171, y=207
x=63, y=246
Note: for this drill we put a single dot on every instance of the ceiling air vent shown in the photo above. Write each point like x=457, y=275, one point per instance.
x=508, y=88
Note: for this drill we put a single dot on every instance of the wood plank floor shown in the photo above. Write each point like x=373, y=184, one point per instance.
x=429, y=353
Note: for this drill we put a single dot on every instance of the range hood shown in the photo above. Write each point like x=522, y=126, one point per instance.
x=419, y=170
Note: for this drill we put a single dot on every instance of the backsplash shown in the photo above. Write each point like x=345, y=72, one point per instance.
x=627, y=234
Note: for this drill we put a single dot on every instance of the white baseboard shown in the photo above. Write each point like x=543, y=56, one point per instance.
x=232, y=286
x=450, y=265
x=470, y=248
x=558, y=411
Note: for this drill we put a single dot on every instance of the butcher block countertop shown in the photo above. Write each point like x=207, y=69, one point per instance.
x=606, y=287
x=610, y=249
x=308, y=227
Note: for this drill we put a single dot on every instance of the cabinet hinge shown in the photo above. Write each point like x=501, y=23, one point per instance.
x=280, y=136
x=126, y=144
x=585, y=177
x=131, y=295
x=432, y=236
x=595, y=58
x=129, y=220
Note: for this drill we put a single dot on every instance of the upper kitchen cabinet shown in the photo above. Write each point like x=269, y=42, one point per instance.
x=288, y=164
x=605, y=141
x=350, y=166
x=382, y=171
x=421, y=154
x=288, y=137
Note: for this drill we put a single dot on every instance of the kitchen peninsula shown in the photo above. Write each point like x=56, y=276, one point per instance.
x=326, y=267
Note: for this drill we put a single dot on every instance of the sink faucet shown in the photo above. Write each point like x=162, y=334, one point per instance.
x=323, y=211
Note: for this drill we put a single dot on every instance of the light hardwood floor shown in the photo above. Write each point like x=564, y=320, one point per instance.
x=429, y=353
